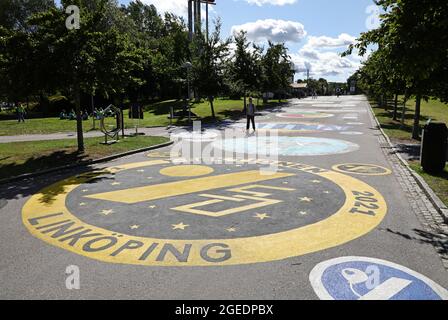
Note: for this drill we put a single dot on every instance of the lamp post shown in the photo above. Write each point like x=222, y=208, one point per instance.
x=187, y=65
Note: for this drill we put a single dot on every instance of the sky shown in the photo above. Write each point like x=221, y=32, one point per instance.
x=315, y=31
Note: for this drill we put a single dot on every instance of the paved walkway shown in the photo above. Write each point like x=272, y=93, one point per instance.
x=156, y=131
x=148, y=227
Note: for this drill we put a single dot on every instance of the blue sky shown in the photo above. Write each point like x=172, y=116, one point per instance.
x=315, y=31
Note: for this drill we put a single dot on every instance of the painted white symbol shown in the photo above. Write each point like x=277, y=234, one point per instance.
x=388, y=289
x=383, y=291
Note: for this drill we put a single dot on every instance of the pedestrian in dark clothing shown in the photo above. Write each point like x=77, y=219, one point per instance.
x=20, y=112
x=250, y=114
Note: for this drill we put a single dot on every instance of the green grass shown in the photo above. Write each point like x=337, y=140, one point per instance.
x=433, y=109
x=24, y=157
x=438, y=183
x=155, y=115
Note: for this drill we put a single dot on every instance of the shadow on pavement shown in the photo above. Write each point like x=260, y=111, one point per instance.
x=438, y=240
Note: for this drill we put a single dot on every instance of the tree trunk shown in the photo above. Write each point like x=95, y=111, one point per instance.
x=210, y=99
x=395, y=107
x=403, y=112
x=79, y=119
x=416, y=127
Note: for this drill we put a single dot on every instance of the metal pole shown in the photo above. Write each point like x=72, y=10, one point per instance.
x=206, y=19
x=195, y=15
x=190, y=19
x=188, y=99
x=93, y=111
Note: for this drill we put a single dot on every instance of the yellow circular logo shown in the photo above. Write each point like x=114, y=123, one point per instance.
x=362, y=169
x=156, y=214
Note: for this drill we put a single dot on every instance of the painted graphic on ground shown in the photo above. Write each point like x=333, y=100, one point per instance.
x=296, y=127
x=155, y=213
x=305, y=115
x=286, y=146
x=362, y=169
x=361, y=278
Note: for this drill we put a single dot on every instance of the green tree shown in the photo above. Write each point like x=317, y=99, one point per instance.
x=208, y=60
x=244, y=68
x=413, y=37
x=96, y=59
x=276, y=69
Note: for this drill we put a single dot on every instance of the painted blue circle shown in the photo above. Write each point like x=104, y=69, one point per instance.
x=339, y=287
x=286, y=146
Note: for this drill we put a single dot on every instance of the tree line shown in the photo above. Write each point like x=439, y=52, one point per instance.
x=127, y=53
x=410, y=56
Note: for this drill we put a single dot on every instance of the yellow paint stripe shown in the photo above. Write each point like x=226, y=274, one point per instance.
x=178, y=188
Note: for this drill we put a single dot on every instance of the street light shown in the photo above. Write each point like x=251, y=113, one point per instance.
x=187, y=65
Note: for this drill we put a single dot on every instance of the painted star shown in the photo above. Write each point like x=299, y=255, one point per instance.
x=141, y=170
x=261, y=216
x=303, y=213
x=134, y=227
x=326, y=192
x=180, y=226
x=306, y=199
x=231, y=230
x=315, y=181
x=82, y=204
x=115, y=183
x=85, y=190
x=151, y=207
x=106, y=212
x=286, y=182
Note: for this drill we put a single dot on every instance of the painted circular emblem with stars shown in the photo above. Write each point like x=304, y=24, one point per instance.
x=155, y=213
x=362, y=169
x=305, y=115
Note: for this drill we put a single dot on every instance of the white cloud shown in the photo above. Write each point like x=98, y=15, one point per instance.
x=321, y=56
x=178, y=7
x=271, y=2
x=342, y=40
x=274, y=30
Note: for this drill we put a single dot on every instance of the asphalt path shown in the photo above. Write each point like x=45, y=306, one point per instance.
x=143, y=227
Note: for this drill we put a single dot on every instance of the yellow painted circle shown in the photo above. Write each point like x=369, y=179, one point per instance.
x=45, y=212
x=362, y=169
x=186, y=171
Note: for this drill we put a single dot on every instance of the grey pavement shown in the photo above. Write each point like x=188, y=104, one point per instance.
x=139, y=201
x=154, y=131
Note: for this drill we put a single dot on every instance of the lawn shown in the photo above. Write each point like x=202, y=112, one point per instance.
x=156, y=114
x=439, y=183
x=433, y=109
x=24, y=157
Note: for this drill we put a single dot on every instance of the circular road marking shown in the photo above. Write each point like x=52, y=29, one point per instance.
x=231, y=217
x=362, y=169
x=362, y=278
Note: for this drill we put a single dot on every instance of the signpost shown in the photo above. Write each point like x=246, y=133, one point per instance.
x=194, y=16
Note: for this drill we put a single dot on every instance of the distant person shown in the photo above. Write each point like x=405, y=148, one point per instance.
x=85, y=115
x=250, y=114
x=63, y=115
x=338, y=92
x=72, y=115
x=20, y=112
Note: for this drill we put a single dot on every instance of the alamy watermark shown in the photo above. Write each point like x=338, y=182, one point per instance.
x=73, y=21
x=229, y=146
x=72, y=282
x=373, y=21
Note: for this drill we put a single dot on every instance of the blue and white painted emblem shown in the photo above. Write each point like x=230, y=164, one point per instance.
x=361, y=278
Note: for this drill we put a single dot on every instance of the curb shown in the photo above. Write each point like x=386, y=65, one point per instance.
x=84, y=163
x=441, y=208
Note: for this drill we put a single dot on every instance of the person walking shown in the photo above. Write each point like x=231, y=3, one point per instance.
x=250, y=114
x=20, y=112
